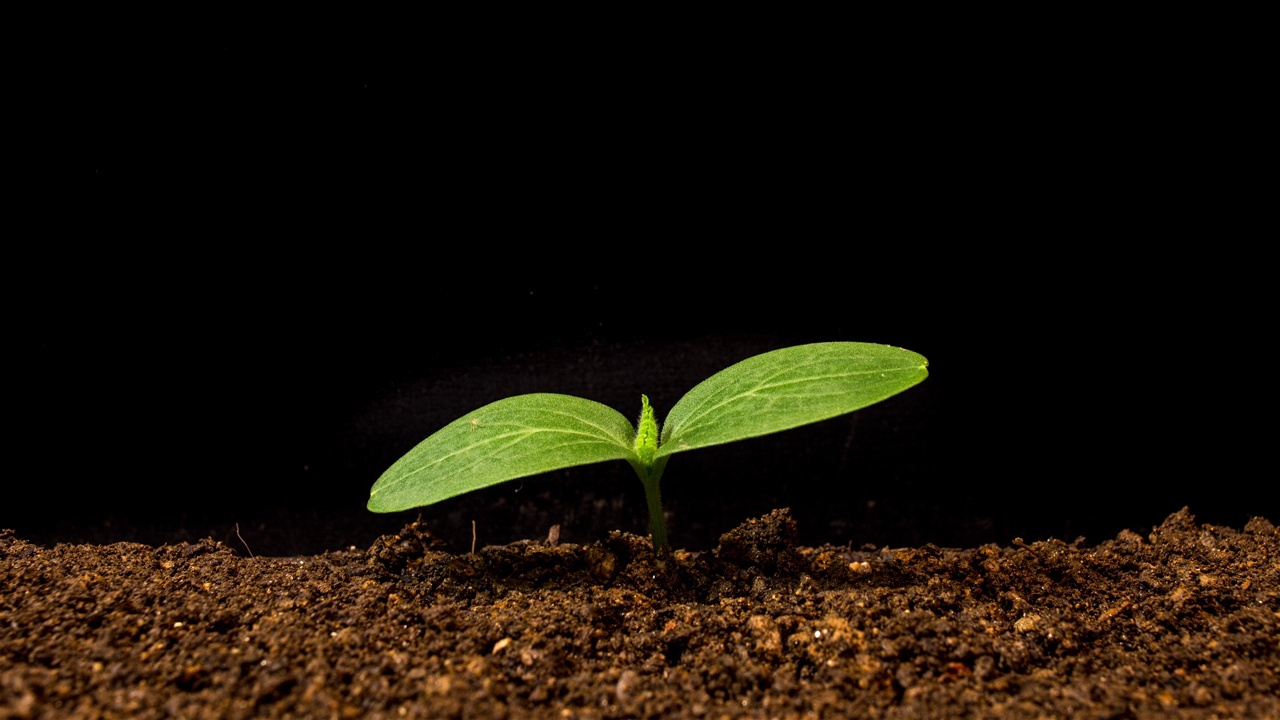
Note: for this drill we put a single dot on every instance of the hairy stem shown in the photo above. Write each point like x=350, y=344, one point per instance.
x=649, y=467
x=657, y=521
x=651, y=477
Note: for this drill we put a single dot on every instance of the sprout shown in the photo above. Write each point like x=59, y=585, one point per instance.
x=537, y=433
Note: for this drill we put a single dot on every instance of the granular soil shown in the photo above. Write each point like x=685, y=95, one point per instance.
x=1181, y=623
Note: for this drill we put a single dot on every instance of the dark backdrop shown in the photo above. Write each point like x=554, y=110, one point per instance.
x=261, y=274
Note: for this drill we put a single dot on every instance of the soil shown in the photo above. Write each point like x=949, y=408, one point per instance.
x=1184, y=623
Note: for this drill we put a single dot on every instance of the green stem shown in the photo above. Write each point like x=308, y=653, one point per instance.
x=651, y=477
x=657, y=521
x=649, y=467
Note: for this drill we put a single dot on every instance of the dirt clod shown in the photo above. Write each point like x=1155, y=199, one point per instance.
x=768, y=543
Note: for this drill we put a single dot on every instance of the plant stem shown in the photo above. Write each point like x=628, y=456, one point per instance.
x=657, y=521
x=651, y=477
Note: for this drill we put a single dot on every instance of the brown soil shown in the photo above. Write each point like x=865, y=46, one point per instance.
x=1182, y=623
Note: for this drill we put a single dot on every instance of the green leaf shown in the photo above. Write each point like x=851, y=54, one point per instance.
x=787, y=388
x=511, y=438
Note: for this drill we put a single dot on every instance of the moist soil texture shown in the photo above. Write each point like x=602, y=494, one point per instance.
x=1183, y=622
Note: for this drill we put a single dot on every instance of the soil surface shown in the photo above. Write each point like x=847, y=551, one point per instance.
x=1183, y=622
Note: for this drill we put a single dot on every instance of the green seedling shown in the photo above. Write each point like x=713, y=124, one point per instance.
x=530, y=434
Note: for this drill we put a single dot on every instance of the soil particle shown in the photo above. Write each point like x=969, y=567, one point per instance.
x=1184, y=623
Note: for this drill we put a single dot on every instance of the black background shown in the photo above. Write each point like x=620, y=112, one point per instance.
x=261, y=272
